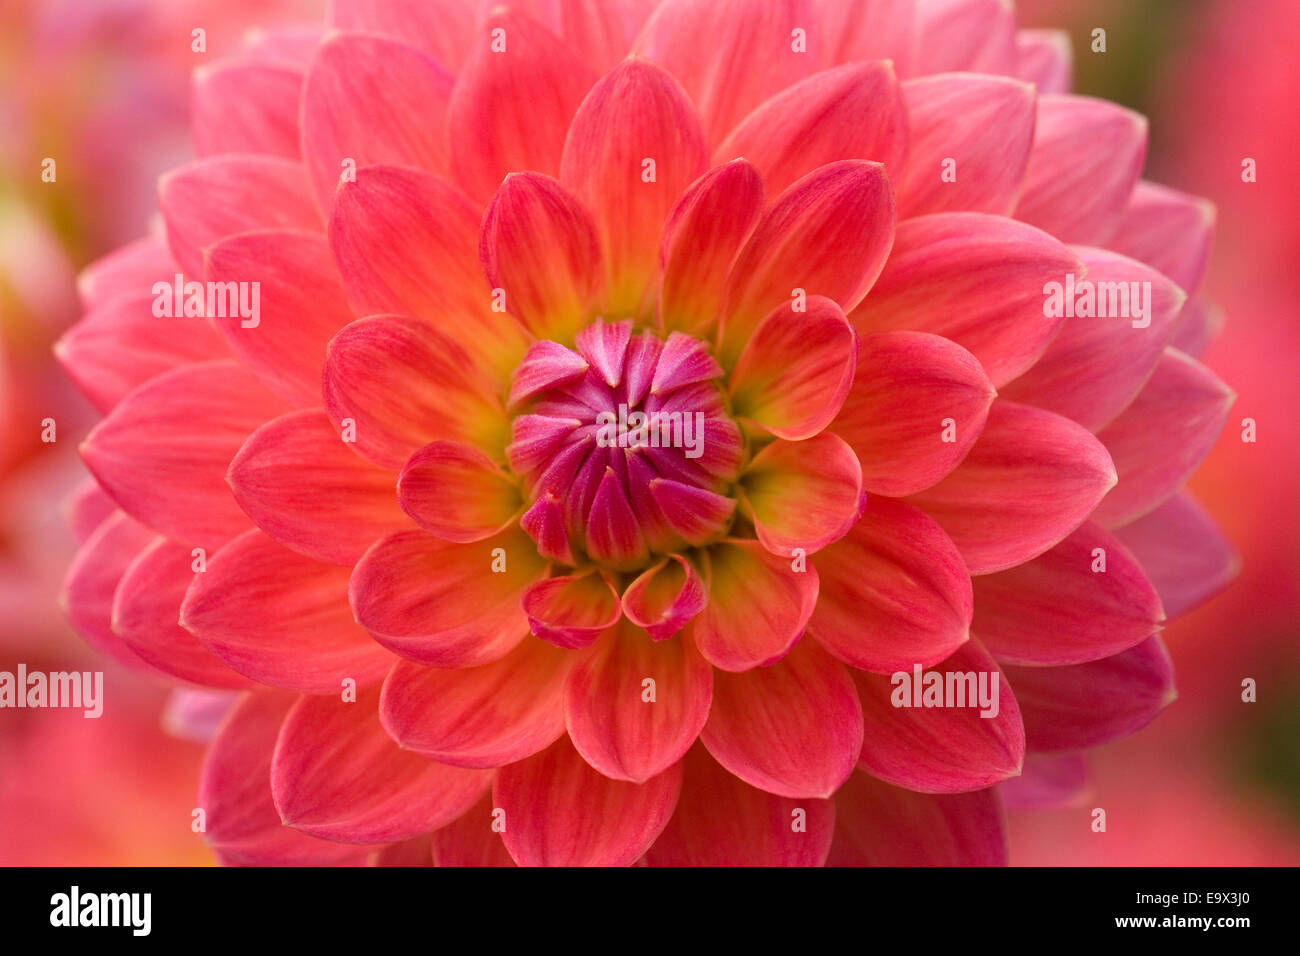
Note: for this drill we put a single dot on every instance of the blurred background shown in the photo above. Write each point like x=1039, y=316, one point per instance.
x=102, y=86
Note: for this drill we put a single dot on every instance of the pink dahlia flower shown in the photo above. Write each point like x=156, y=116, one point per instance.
x=638, y=393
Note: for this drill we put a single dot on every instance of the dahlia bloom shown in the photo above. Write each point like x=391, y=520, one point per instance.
x=636, y=388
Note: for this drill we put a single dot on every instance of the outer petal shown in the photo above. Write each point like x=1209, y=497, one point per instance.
x=116, y=348
x=301, y=304
x=444, y=604
x=472, y=839
x=628, y=729
x=243, y=824
x=868, y=30
x=758, y=606
x=539, y=245
x=880, y=825
x=247, y=105
x=975, y=279
x=92, y=580
x=1095, y=367
x=828, y=234
x=978, y=36
x=1031, y=479
x=1061, y=609
x=854, y=111
x=163, y=452
x=1182, y=552
x=793, y=729
x=1169, y=231
x=1160, y=439
x=947, y=749
x=485, y=716
x=1045, y=59
x=560, y=812
x=722, y=821
x=281, y=618
x=128, y=271
x=713, y=47
x=982, y=124
x=1048, y=781
x=803, y=495
x=704, y=232
x=914, y=411
x=217, y=197
x=456, y=492
x=794, y=374
x=146, y=611
x=635, y=113
x=1087, y=157
x=301, y=484
x=407, y=242
x=371, y=100
x=511, y=107
x=443, y=28
x=402, y=384
x=894, y=592
x=338, y=776
x=1084, y=705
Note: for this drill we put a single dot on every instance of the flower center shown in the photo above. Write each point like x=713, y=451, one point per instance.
x=625, y=446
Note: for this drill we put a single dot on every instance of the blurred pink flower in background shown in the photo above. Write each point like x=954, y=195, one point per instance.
x=102, y=87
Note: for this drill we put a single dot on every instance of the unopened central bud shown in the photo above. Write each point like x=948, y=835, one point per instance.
x=624, y=445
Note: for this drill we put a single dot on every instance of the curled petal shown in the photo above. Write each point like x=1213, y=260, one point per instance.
x=665, y=597
x=572, y=611
x=758, y=606
x=803, y=495
x=455, y=491
x=794, y=373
